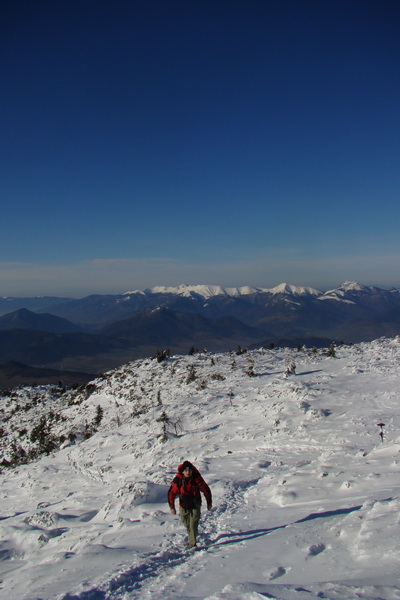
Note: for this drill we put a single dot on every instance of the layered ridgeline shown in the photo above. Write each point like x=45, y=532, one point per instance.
x=100, y=332
x=304, y=470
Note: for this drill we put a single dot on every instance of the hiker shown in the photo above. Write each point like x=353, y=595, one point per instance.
x=187, y=484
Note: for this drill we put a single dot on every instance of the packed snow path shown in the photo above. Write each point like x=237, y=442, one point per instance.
x=305, y=491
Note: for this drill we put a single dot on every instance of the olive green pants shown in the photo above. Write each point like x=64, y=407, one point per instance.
x=190, y=519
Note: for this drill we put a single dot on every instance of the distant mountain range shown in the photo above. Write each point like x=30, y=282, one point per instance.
x=26, y=319
x=13, y=374
x=100, y=332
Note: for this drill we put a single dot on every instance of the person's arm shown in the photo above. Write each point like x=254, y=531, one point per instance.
x=207, y=494
x=172, y=493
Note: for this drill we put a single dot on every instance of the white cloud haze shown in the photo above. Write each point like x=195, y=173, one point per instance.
x=112, y=276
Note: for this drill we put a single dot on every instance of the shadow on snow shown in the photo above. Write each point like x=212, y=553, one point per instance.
x=243, y=536
x=131, y=580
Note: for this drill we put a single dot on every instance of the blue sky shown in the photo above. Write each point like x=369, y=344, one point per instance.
x=146, y=142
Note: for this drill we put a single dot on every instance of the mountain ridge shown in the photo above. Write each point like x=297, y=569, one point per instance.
x=23, y=318
x=140, y=323
x=208, y=291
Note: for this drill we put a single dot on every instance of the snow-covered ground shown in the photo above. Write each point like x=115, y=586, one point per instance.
x=306, y=494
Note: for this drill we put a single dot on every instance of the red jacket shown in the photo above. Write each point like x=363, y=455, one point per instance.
x=188, y=489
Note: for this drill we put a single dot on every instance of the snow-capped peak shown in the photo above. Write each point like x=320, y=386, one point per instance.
x=286, y=288
x=206, y=291
x=353, y=286
x=343, y=292
x=350, y=286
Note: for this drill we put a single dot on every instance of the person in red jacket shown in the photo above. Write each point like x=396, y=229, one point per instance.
x=187, y=484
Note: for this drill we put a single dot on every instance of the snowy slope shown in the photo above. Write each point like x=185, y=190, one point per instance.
x=208, y=291
x=306, y=495
x=293, y=290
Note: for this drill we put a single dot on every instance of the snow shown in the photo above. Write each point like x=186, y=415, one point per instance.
x=306, y=494
x=285, y=288
x=354, y=286
x=342, y=291
x=337, y=296
x=208, y=291
x=349, y=286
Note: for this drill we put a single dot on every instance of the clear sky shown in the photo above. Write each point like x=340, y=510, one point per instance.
x=230, y=142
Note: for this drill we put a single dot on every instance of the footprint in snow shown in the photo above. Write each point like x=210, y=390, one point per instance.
x=278, y=572
x=315, y=549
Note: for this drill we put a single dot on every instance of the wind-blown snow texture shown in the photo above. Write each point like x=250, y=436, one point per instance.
x=306, y=495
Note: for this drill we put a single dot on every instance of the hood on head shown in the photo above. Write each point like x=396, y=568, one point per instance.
x=185, y=465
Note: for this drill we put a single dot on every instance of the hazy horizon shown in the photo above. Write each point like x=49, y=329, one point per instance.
x=128, y=289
